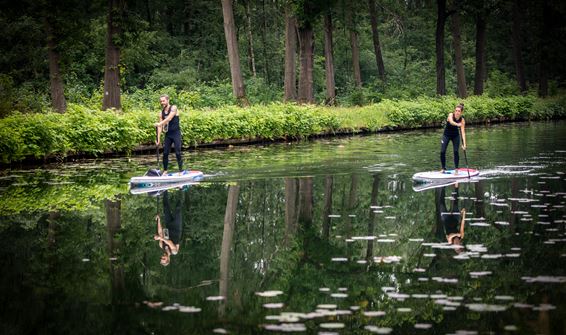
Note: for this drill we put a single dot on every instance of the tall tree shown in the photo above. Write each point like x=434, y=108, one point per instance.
x=290, y=81
x=376, y=43
x=238, y=88
x=518, y=46
x=458, y=59
x=111, y=98
x=439, y=35
x=543, y=50
x=328, y=183
x=227, y=241
x=306, y=80
x=354, y=45
x=307, y=12
x=481, y=29
x=251, y=56
x=58, y=101
x=329, y=60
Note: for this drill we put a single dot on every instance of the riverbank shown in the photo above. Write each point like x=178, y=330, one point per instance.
x=86, y=132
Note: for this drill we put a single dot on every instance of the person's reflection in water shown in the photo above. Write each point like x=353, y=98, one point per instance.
x=450, y=223
x=169, y=235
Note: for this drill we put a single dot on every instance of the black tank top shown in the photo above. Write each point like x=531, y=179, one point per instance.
x=173, y=125
x=452, y=131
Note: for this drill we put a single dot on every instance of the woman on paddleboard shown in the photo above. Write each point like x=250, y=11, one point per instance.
x=455, y=125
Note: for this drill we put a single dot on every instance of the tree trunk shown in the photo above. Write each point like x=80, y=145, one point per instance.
x=372, y=216
x=354, y=45
x=227, y=237
x=329, y=61
x=238, y=88
x=517, y=46
x=543, y=49
x=251, y=56
x=266, y=60
x=290, y=53
x=480, y=54
x=440, y=72
x=376, y=44
x=306, y=202
x=111, y=98
x=328, y=183
x=291, y=204
x=352, y=204
x=55, y=80
x=306, y=41
x=457, y=44
x=114, y=224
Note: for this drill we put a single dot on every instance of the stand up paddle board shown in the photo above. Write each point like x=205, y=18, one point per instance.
x=430, y=176
x=178, y=177
x=160, y=187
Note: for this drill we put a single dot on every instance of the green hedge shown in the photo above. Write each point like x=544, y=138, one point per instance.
x=92, y=132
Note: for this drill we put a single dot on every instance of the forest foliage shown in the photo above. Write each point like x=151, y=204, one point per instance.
x=179, y=48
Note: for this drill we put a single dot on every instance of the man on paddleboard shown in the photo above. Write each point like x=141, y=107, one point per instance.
x=455, y=125
x=169, y=124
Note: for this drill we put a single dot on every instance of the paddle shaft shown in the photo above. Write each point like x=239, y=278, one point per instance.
x=157, y=145
x=465, y=156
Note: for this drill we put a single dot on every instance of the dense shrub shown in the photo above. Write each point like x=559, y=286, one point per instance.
x=88, y=130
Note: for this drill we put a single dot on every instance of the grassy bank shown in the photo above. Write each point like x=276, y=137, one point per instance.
x=88, y=131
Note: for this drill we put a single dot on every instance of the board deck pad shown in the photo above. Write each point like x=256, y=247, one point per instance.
x=461, y=173
x=177, y=177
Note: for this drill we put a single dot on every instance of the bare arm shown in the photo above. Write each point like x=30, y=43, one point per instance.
x=450, y=120
x=169, y=117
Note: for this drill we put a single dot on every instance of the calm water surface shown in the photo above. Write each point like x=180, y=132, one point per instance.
x=322, y=237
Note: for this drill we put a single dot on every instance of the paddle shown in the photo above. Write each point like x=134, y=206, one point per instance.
x=157, y=146
x=465, y=156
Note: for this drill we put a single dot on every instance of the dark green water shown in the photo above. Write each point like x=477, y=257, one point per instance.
x=328, y=237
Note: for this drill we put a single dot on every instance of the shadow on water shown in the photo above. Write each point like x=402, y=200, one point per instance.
x=327, y=236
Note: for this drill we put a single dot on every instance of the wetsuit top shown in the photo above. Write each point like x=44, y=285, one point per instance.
x=173, y=125
x=452, y=131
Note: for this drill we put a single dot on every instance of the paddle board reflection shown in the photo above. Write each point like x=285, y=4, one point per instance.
x=450, y=223
x=169, y=230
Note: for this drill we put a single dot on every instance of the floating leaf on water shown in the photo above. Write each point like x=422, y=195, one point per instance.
x=398, y=296
x=384, y=240
x=480, y=273
x=343, y=289
x=486, y=308
x=152, y=304
x=480, y=224
x=371, y=314
x=416, y=239
x=378, y=330
x=169, y=308
x=502, y=223
x=269, y=293
x=189, y=309
x=339, y=259
x=423, y=325
x=544, y=279
x=419, y=296
x=215, y=298
x=287, y=327
x=423, y=279
x=404, y=310
x=522, y=305
x=332, y=325
x=274, y=305
x=491, y=256
x=327, y=306
x=349, y=240
x=504, y=297
x=511, y=328
x=369, y=238
x=324, y=289
x=86, y=260
x=390, y=218
x=339, y=295
x=334, y=215
x=544, y=307
x=429, y=255
x=419, y=270
x=354, y=308
x=220, y=331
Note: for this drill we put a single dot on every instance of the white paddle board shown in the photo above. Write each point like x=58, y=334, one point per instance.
x=429, y=176
x=178, y=177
